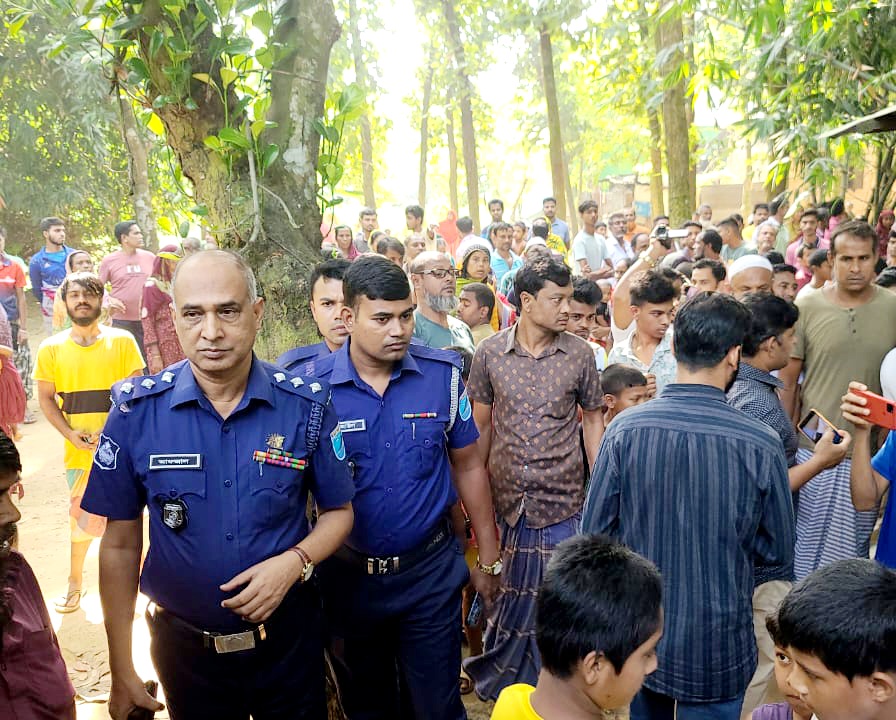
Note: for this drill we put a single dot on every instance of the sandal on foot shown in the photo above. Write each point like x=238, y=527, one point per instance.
x=63, y=605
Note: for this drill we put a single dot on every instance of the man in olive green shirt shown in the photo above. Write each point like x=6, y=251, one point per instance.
x=843, y=334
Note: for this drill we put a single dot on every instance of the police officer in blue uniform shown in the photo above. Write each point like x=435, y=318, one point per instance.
x=325, y=285
x=222, y=449
x=392, y=593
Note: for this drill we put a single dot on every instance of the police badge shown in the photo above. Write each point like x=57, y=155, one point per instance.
x=174, y=514
x=106, y=456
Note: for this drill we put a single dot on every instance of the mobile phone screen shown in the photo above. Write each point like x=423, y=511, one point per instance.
x=814, y=426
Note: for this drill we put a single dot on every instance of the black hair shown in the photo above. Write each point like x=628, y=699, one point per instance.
x=366, y=211
x=824, y=214
x=10, y=461
x=329, y=269
x=783, y=268
x=618, y=377
x=776, y=204
x=586, y=292
x=660, y=217
x=49, y=222
x=738, y=218
x=844, y=614
x=466, y=359
x=770, y=316
x=707, y=326
x=818, y=257
x=774, y=257
x=597, y=596
x=386, y=243
x=414, y=210
x=587, y=205
x=485, y=297
x=540, y=228
x=671, y=274
x=685, y=268
x=86, y=280
x=549, y=199
x=123, y=228
x=837, y=207
x=855, y=228
x=691, y=223
x=716, y=267
x=811, y=212
x=729, y=221
x=712, y=238
x=653, y=288
x=760, y=206
x=376, y=278
x=495, y=227
x=887, y=278
x=520, y=224
x=531, y=277
x=464, y=224
x=496, y=201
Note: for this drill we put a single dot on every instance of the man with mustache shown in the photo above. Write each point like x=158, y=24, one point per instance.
x=34, y=683
x=528, y=383
x=75, y=371
x=435, y=288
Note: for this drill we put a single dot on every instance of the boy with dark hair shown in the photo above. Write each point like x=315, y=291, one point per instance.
x=599, y=618
x=707, y=275
x=839, y=628
x=623, y=387
x=784, y=283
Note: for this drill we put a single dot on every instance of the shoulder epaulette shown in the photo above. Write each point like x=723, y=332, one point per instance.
x=309, y=388
x=291, y=358
x=134, y=388
x=446, y=356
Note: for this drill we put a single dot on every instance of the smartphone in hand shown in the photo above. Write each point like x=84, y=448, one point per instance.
x=814, y=425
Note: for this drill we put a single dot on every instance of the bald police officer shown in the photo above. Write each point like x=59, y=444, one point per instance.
x=392, y=593
x=222, y=449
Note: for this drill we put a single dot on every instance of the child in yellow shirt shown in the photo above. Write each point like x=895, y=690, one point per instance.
x=599, y=618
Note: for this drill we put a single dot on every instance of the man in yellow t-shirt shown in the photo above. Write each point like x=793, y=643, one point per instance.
x=599, y=619
x=75, y=371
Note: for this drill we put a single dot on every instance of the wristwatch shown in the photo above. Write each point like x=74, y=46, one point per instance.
x=308, y=567
x=647, y=258
x=493, y=569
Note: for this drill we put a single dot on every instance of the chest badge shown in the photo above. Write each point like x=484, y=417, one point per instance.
x=174, y=514
x=275, y=441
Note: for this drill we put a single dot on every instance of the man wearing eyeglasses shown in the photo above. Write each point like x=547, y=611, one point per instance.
x=434, y=283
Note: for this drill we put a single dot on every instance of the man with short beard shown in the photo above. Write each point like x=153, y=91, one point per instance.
x=434, y=285
x=75, y=371
x=34, y=684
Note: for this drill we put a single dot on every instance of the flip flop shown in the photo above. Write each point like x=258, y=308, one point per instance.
x=63, y=605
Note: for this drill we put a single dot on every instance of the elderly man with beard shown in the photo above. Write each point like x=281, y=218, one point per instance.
x=434, y=285
x=34, y=684
x=75, y=371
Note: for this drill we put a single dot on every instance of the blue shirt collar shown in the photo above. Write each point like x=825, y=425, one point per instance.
x=187, y=390
x=344, y=369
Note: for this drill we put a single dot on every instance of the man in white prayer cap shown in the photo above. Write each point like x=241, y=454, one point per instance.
x=750, y=274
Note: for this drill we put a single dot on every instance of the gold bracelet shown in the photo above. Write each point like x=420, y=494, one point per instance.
x=647, y=258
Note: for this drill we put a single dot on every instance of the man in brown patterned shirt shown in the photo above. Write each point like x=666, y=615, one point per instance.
x=528, y=383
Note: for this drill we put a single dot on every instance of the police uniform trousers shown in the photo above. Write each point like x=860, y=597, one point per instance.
x=281, y=678
x=395, y=639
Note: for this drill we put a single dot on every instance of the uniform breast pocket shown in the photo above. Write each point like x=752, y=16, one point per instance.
x=275, y=494
x=357, y=450
x=424, y=443
x=162, y=485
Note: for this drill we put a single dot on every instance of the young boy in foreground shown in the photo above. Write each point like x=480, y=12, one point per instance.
x=598, y=620
x=839, y=628
x=623, y=387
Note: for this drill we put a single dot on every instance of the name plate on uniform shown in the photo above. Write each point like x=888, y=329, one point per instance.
x=175, y=462
x=353, y=425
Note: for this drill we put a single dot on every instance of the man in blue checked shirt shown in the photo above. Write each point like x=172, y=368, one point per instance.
x=222, y=450
x=701, y=489
x=392, y=593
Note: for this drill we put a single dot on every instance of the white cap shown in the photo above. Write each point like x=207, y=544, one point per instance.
x=746, y=262
x=534, y=241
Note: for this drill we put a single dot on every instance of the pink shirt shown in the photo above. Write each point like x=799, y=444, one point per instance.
x=128, y=274
x=34, y=683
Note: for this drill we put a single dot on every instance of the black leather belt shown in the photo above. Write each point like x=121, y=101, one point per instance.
x=218, y=642
x=398, y=563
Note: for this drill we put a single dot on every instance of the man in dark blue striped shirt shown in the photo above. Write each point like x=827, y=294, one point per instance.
x=700, y=489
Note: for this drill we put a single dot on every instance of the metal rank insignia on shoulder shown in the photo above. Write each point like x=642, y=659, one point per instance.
x=174, y=514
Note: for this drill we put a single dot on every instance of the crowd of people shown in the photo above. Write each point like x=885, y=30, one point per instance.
x=635, y=469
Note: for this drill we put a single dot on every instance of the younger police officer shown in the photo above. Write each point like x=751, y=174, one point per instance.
x=222, y=449
x=325, y=287
x=392, y=593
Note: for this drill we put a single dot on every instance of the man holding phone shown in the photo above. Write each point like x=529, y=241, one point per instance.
x=870, y=477
x=79, y=366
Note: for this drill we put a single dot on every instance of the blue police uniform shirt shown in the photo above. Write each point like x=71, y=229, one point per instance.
x=884, y=462
x=164, y=442
x=294, y=360
x=401, y=468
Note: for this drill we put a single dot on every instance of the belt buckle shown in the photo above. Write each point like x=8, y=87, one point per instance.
x=382, y=566
x=234, y=643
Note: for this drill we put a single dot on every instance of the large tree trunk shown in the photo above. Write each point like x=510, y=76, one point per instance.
x=675, y=125
x=746, y=200
x=138, y=169
x=452, y=161
x=362, y=79
x=657, y=205
x=571, y=209
x=467, y=129
x=424, y=127
x=688, y=32
x=549, y=87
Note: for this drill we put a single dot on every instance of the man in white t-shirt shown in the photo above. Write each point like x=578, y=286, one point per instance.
x=589, y=252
